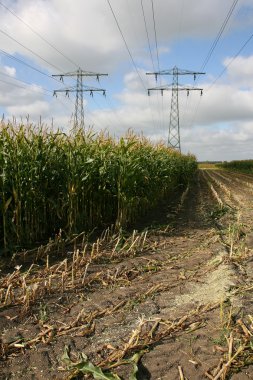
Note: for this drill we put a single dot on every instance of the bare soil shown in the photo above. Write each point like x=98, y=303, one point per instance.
x=178, y=291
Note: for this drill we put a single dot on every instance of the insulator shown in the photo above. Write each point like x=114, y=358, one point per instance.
x=188, y=92
x=104, y=93
x=91, y=93
x=156, y=77
x=148, y=93
x=162, y=92
x=201, y=92
x=194, y=76
x=61, y=78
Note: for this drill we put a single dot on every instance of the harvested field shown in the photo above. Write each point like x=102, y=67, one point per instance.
x=173, y=300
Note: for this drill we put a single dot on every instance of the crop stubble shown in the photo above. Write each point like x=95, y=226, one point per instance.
x=181, y=292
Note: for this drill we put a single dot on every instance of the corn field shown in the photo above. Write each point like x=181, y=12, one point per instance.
x=245, y=166
x=51, y=182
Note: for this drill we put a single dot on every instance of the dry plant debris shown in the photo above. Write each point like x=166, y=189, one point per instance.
x=113, y=302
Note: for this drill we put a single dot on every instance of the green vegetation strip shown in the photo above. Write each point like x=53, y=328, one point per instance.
x=51, y=181
x=244, y=166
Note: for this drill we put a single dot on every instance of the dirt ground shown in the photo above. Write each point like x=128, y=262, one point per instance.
x=171, y=301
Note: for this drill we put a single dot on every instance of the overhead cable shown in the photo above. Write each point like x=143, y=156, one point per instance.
x=147, y=34
x=38, y=34
x=222, y=28
x=28, y=65
x=231, y=61
x=30, y=50
x=156, y=44
x=126, y=45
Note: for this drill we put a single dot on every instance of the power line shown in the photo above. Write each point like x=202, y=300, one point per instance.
x=212, y=48
x=24, y=63
x=38, y=34
x=41, y=37
x=40, y=57
x=128, y=50
x=231, y=61
x=222, y=28
x=12, y=84
x=151, y=57
x=30, y=50
x=29, y=66
x=25, y=87
x=147, y=34
x=29, y=84
x=44, y=90
x=221, y=73
x=158, y=64
x=40, y=72
x=126, y=45
x=156, y=44
x=34, y=31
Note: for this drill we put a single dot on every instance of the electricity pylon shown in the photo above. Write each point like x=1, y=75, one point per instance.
x=79, y=89
x=175, y=87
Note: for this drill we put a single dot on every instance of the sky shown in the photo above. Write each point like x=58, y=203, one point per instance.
x=39, y=38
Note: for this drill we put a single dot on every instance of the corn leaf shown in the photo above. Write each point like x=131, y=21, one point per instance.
x=134, y=360
x=86, y=367
x=7, y=203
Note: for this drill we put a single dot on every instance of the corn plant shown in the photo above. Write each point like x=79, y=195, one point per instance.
x=51, y=181
x=244, y=166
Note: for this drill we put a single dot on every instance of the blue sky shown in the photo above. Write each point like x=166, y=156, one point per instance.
x=217, y=126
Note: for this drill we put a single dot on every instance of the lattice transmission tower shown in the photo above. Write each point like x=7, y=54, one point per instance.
x=79, y=89
x=175, y=87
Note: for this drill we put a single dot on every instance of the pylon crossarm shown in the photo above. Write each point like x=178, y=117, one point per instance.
x=188, y=89
x=92, y=89
x=159, y=88
x=162, y=89
x=80, y=73
x=77, y=90
x=176, y=71
x=69, y=89
x=169, y=87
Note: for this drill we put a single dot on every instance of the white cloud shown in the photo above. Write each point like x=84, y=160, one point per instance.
x=34, y=109
x=85, y=31
x=214, y=143
x=240, y=71
x=225, y=103
x=9, y=71
x=221, y=129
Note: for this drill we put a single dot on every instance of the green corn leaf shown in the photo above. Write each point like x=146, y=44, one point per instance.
x=7, y=203
x=134, y=372
x=86, y=367
x=135, y=360
x=65, y=357
x=96, y=372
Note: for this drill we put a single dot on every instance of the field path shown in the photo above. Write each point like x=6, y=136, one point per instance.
x=178, y=292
